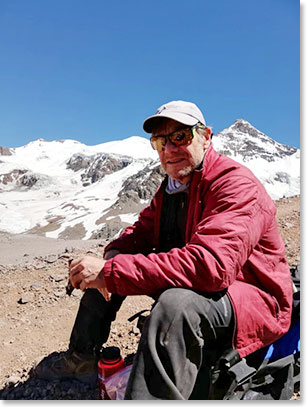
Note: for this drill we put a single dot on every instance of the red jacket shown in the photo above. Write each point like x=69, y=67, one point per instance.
x=232, y=242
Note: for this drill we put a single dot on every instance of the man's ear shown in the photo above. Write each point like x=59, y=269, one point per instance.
x=207, y=133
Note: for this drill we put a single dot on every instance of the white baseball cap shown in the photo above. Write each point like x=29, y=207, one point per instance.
x=183, y=112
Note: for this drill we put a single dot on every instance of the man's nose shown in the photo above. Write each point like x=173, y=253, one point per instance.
x=170, y=147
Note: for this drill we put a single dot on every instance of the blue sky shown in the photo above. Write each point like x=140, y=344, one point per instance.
x=93, y=70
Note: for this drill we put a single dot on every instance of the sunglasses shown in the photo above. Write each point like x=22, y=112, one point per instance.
x=178, y=138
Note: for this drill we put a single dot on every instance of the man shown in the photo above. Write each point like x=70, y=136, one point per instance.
x=207, y=249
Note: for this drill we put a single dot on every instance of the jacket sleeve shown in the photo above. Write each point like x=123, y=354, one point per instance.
x=237, y=213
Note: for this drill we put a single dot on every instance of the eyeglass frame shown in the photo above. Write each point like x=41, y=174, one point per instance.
x=167, y=136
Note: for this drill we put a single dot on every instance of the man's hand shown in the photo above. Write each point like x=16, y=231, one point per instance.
x=87, y=272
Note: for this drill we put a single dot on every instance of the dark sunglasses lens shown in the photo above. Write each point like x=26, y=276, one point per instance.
x=158, y=143
x=181, y=137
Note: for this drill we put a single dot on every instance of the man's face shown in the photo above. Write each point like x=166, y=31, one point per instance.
x=180, y=161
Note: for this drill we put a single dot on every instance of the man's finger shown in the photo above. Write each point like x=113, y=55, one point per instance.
x=75, y=279
x=76, y=269
x=105, y=293
x=75, y=262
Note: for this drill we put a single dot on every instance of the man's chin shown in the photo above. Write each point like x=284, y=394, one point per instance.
x=182, y=176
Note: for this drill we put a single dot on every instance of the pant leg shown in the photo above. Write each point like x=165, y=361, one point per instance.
x=177, y=342
x=93, y=321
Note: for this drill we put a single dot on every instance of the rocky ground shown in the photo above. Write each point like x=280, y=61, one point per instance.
x=37, y=315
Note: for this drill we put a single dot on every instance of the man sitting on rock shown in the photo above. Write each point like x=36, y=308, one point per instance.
x=207, y=248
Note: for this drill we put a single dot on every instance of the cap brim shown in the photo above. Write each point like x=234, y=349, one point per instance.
x=179, y=117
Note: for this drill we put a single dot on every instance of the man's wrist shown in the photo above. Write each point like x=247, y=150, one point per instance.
x=108, y=276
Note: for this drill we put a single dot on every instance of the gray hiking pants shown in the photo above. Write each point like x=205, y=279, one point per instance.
x=182, y=338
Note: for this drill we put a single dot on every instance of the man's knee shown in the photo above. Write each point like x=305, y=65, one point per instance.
x=212, y=312
x=96, y=303
x=175, y=298
x=176, y=303
x=92, y=299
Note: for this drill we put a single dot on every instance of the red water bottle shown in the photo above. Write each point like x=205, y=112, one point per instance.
x=109, y=363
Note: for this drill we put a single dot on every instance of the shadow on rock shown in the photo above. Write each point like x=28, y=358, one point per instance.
x=40, y=389
x=29, y=387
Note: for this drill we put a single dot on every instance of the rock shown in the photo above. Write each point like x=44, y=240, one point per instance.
x=3, y=269
x=77, y=293
x=12, y=176
x=144, y=183
x=12, y=380
x=65, y=256
x=59, y=294
x=25, y=321
x=25, y=298
x=95, y=167
x=51, y=258
x=9, y=342
x=58, y=277
x=5, y=151
x=135, y=330
x=29, y=180
x=39, y=266
x=90, y=251
x=36, y=286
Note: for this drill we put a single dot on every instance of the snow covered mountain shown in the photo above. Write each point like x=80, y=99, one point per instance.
x=65, y=189
x=276, y=165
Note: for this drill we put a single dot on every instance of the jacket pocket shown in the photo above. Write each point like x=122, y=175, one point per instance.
x=276, y=307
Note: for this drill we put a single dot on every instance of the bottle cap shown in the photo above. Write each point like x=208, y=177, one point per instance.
x=110, y=353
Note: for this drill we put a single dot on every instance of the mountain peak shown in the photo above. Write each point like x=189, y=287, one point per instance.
x=243, y=121
x=244, y=140
x=243, y=126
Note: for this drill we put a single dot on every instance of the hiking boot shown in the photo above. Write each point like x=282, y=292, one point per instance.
x=67, y=365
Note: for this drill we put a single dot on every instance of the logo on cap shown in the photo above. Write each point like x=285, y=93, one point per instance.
x=160, y=110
